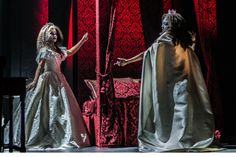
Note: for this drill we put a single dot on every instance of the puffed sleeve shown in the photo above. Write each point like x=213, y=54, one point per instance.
x=43, y=54
x=64, y=51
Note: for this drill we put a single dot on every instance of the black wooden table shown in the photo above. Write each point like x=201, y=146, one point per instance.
x=11, y=87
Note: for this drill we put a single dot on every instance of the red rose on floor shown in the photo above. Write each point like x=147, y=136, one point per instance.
x=217, y=135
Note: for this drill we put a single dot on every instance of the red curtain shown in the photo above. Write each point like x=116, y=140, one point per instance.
x=205, y=11
x=41, y=13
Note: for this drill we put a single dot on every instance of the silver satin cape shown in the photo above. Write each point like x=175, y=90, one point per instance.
x=53, y=116
x=175, y=111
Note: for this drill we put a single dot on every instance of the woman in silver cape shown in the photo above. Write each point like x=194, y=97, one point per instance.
x=175, y=110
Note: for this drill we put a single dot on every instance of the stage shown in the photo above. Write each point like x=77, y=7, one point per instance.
x=95, y=149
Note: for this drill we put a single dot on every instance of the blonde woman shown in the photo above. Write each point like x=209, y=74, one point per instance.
x=53, y=116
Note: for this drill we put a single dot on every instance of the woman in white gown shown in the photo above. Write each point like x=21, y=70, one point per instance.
x=53, y=116
x=175, y=110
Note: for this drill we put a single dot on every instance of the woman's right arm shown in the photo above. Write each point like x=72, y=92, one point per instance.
x=36, y=76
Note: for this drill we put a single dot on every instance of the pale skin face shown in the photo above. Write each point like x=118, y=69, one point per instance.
x=165, y=24
x=51, y=34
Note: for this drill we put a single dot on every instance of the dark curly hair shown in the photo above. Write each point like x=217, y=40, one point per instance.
x=178, y=28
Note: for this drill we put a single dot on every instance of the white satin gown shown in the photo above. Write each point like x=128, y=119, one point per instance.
x=53, y=116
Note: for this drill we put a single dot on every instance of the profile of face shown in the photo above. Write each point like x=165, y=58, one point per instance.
x=51, y=34
x=165, y=24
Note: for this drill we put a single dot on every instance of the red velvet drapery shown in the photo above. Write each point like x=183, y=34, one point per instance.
x=124, y=36
x=110, y=133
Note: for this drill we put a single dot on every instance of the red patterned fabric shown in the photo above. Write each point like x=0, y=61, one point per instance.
x=127, y=110
x=89, y=107
x=85, y=60
x=124, y=87
x=124, y=23
x=123, y=131
x=129, y=39
x=111, y=133
x=86, y=23
x=110, y=126
x=97, y=122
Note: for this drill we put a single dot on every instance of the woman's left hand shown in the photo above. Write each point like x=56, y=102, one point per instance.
x=85, y=37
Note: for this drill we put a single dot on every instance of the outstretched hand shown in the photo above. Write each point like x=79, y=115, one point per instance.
x=121, y=62
x=193, y=35
x=85, y=37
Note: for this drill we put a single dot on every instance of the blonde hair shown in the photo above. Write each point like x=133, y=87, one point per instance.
x=42, y=39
